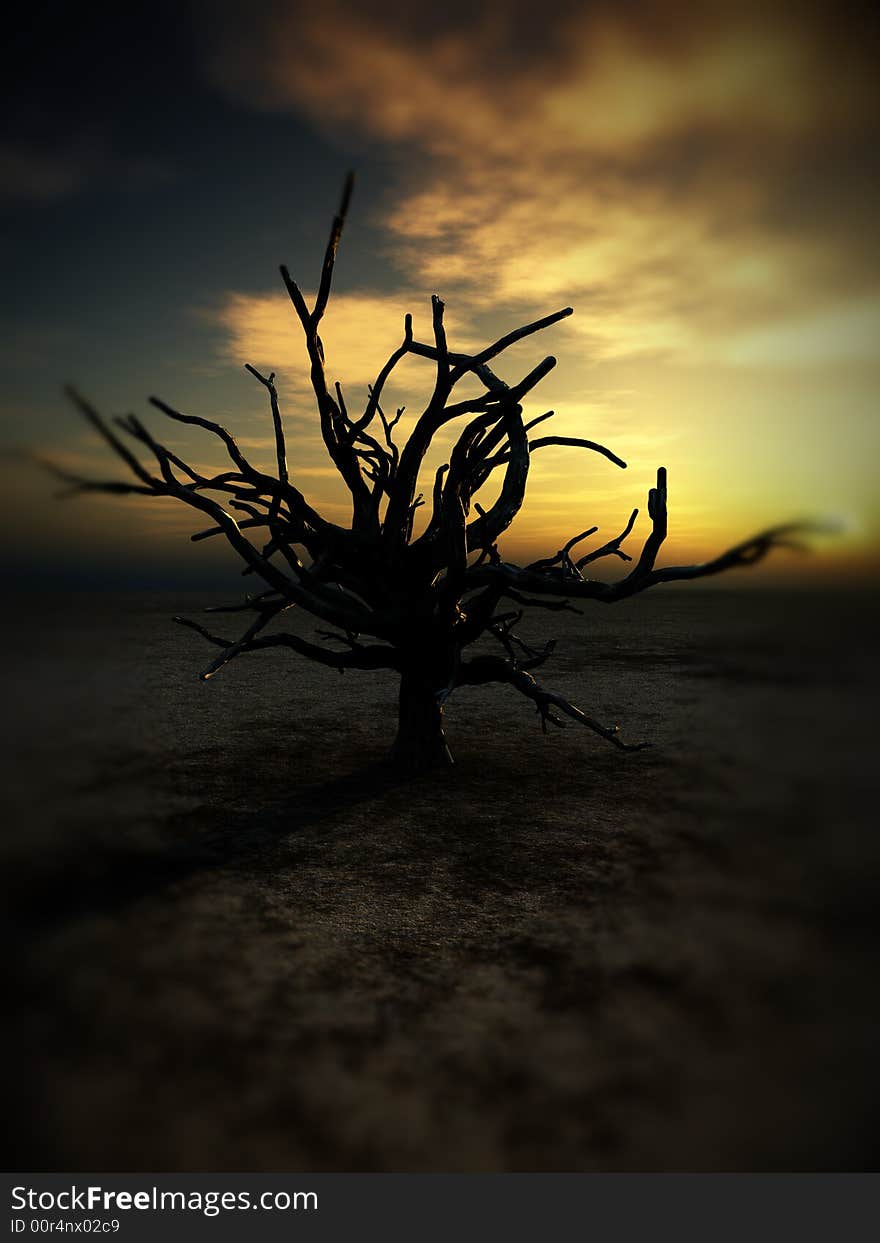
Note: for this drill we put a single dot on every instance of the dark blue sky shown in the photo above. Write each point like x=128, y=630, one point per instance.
x=133, y=193
x=136, y=192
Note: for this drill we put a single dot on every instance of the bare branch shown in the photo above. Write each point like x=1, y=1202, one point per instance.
x=250, y=603
x=268, y=383
x=474, y=362
x=375, y=390
x=196, y=421
x=91, y=414
x=612, y=548
x=374, y=656
x=564, y=554
x=572, y=441
x=330, y=254
x=510, y=578
x=420, y=597
x=483, y=669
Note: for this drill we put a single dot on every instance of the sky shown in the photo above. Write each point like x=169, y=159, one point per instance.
x=698, y=181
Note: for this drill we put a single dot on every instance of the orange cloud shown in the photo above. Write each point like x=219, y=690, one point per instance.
x=691, y=178
x=360, y=331
x=635, y=177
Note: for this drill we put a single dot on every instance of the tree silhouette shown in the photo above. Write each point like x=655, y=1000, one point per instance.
x=419, y=602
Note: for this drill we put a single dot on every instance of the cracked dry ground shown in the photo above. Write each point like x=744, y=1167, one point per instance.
x=236, y=942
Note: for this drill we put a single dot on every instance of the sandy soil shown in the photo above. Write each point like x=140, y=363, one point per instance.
x=237, y=943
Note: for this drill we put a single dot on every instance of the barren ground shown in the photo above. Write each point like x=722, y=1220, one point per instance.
x=238, y=943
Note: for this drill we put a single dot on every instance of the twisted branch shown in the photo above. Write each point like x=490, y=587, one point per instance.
x=419, y=597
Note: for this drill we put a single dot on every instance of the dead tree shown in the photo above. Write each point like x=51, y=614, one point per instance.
x=393, y=600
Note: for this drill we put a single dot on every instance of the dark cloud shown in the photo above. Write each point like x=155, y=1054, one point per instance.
x=87, y=93
x=717, y=160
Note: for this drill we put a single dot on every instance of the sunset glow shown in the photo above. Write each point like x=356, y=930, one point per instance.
x=695, y=183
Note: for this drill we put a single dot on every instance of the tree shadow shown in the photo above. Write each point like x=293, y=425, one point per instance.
x=471, y=816
x=209, y=837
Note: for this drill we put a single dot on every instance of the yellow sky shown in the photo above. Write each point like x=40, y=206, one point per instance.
x=692, y=179
x=684, y=176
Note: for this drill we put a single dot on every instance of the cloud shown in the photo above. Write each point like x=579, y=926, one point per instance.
x=696, y=180
x=652, y=164
x=845, y=334
x=37, y=173
x=35, y=176
x=361, y=330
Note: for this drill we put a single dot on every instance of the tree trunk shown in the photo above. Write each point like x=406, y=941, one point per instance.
x=420, y=742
